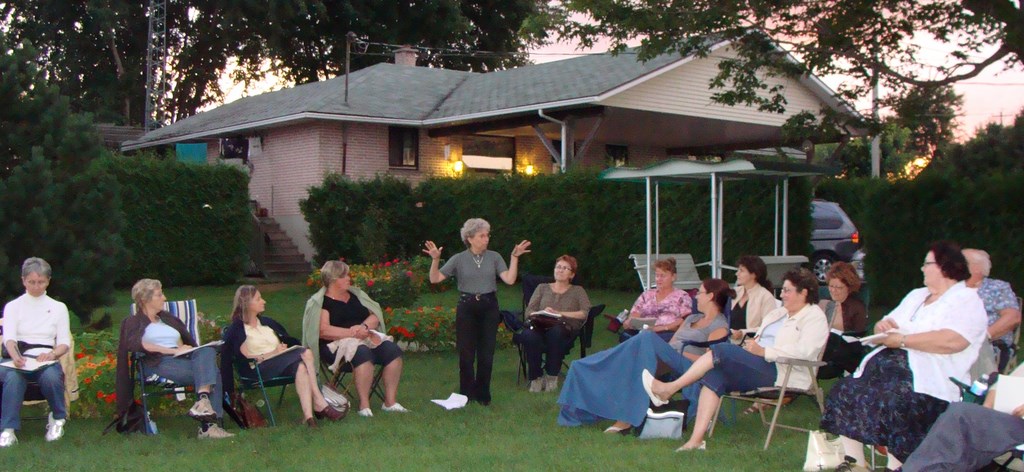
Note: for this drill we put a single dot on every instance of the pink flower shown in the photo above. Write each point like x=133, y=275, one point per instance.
x=408, y=273
x=387, y=264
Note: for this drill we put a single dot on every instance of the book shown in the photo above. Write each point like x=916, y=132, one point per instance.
x=546, y=313
x=640, y=323
x=31, y=364
x=190, y=349
x=267, y=357
x=873, y=339
x=1009, y=393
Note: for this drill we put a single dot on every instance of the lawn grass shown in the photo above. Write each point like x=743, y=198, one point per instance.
x=517, y=432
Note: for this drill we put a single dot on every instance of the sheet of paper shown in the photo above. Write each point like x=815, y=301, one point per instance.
x=545, y=313
x=30, y=364
x=1009, y=393
x=640, y=323
x=453, y=401
x=211, y=343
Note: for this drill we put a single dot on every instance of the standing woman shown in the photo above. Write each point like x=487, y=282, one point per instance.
x=35, y=326
x=476, y=316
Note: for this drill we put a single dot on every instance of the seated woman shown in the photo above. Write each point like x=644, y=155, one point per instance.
x=263, y=340
x=35, y=326
x=606, y=385
x=340, y=311
x=161, y=335
x=665, y=303
x=902, y=386
x=563, y=298
x=796, y=330
x=754, y=297
x=848, y=315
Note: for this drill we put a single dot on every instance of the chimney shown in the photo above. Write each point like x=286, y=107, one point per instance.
x=405, y=56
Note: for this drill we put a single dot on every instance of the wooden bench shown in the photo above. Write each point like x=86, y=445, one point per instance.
x=779, y=265
x=687, y=277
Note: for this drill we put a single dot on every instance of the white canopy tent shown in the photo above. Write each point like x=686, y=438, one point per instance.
x=684, y=171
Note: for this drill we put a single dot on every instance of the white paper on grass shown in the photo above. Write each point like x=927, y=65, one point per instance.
x=453, y=401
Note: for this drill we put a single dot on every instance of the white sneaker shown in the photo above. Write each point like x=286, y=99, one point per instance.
x=55, y=429
x=366, y=412
x=537, y=385
x=7, y=438
x=202, y=410
x=550, y=383
x=396, y=408
x=214, y=431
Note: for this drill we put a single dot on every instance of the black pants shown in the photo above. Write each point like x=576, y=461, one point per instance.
x=554, y=342
x=476, y=330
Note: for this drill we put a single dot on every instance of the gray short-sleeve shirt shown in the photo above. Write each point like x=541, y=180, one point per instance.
x=472, y=278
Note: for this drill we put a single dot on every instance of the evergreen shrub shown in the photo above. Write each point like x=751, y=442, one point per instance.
x=185, y=224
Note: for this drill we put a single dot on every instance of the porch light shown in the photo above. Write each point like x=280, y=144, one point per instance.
x=529, y=170
x=457, y=167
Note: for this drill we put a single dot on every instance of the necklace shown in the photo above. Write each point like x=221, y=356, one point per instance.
x=478, y=260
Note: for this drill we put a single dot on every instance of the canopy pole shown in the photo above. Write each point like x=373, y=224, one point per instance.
x=721, y=225
x=714, y=227
x=776, y=219
x=647, y=191
x=657, y=218
x=785, y=217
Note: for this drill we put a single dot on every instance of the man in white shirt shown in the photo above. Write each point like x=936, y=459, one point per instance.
x=969, y=436
x=36, y=330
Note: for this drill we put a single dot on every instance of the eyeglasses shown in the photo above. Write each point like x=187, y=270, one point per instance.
x=788, y=289
x=928, y=263
x=559, y=267
x=836, y=287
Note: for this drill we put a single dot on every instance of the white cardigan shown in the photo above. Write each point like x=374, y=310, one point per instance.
x=802, y=336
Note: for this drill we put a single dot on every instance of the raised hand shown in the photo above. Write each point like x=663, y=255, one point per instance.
x=520, y=249
x=432, y=250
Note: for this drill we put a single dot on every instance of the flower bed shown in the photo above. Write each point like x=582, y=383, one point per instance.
x=394, y=283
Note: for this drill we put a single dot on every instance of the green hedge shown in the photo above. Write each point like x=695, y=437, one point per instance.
x=599, y=222
x=898, y=220
x=185, y=224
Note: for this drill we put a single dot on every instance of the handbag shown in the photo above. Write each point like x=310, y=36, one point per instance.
x=132, y=421
x=248, y=414
x=336, y=399
x=823, y=453
x=664, y=422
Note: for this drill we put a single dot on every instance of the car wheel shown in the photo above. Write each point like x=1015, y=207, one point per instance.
x=822, y=263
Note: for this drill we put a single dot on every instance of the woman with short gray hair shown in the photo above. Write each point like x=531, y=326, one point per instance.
x=476, y=316
x=36, y=331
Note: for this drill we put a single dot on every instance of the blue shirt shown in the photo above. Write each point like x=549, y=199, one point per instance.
x=161, y=335
x=997, y=296
x=768, y=334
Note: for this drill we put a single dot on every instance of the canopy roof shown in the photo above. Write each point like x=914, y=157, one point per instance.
x=682, y=170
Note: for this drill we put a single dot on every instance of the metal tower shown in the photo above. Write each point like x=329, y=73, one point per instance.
x=156, y=65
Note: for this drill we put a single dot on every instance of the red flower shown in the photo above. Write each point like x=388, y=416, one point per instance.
x=387, y=264
x=408, y=273
x=110, y=398
x=88, y=380
x=79, y=355
x=99, y=395
x=369, y=283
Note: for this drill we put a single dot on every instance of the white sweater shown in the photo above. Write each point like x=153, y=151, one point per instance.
x=36, y=320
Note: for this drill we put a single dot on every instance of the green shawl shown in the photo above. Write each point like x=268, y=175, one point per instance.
x=311, y=318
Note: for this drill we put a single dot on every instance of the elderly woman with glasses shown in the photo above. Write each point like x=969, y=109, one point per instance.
x=1001, y=304
x=566, y=300
x=36, y=330
x=476, y=271
x=902, y=387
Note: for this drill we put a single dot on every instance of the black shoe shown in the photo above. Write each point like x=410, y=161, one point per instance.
x=484, y=402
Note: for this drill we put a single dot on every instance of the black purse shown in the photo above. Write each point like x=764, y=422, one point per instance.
x=132, y=421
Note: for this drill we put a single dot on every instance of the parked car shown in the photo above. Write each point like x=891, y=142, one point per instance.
x=834, y=237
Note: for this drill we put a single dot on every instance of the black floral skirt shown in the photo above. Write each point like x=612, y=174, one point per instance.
x=881, y=408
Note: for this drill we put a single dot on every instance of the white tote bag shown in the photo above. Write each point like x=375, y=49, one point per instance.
x=823, y=453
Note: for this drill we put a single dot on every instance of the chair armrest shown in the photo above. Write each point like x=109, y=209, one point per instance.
x=798, y=362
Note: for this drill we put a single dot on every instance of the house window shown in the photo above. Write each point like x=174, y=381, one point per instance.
x=488, y=153
x=616, y=155
x=403, y=147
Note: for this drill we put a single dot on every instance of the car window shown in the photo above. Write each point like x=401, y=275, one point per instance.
x=826, y=217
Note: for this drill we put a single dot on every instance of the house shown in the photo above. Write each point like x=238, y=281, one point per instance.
x=413, y=122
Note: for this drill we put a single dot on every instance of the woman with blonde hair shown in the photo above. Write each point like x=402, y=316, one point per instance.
x=265, y=341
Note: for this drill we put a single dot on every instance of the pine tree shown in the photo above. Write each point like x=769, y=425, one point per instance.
x=53, y=204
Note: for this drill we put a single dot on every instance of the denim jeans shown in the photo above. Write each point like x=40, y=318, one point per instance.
x=198, y=368
x=51, y=383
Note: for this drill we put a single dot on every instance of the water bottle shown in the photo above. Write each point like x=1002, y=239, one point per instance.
x=980, y=386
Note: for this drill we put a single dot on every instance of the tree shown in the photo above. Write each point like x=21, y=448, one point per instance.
x=96, y=51
x=929, y=113
x=994, y=149
x=53, y=203
x=854, y=159
x=857, y=38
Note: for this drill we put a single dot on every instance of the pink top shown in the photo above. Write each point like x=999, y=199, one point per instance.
x=676, y=306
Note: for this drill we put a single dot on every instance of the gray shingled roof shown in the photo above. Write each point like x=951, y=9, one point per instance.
x=392, y=92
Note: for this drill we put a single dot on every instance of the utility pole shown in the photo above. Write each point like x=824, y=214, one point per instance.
x=156, y=65
x=876, y=140
x=349, y=39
